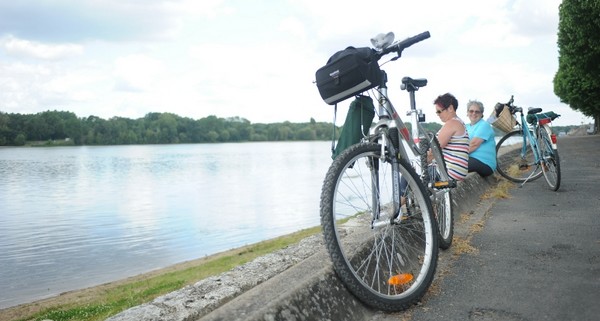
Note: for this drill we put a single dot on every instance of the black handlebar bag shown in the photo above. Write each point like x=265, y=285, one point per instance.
x=347, y=73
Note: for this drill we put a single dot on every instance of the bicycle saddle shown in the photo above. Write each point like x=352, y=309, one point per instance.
x=533, y=110
x=413, y=84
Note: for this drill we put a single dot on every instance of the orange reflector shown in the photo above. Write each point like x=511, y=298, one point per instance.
x=545, y=121
x=400, y=279
x=441, y=184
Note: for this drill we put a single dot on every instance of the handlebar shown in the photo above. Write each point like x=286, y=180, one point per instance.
x=400, y=46
x=511, y=101
x=513, y=109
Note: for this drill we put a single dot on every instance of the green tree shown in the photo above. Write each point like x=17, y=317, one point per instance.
x=167, y=124
x=576, y=82
x=212, y=136
x=306, y=133
x=20, y=139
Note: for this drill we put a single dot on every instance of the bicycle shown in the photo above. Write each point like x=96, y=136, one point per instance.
x=530, y=150
x=383, y=239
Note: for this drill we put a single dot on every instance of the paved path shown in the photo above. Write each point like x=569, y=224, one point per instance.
x=537, y=256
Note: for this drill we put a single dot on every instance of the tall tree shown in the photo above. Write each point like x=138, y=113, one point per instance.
x=577, y=82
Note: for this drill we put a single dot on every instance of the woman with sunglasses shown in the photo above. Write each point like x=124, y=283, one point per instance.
x=453, y=137
x=482, y=148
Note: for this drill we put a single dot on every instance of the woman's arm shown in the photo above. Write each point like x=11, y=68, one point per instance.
x=474, y=143
x=447, y=131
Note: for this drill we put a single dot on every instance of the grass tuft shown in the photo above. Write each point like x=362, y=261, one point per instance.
x=500, y=191
x=461, y=246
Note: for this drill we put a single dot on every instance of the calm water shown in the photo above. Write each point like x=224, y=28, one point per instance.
x=74, y=217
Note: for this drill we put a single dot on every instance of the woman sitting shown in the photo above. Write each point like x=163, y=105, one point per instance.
x=482, y=147
x=453, y=137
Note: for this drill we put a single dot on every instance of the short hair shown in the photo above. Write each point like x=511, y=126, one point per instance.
x=476, y=103
x=446, y=100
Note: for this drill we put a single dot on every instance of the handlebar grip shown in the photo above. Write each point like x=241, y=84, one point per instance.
x=511, y=101
x=413, y=40
x=405, y=43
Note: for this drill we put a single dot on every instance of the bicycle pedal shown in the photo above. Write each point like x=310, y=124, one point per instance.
x=444, y=184
x=440, y=184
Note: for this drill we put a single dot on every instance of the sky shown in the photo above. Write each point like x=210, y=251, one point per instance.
x=257, y=59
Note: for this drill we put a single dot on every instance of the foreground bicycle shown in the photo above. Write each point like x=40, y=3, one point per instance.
x=530, y=150
x=382, y=237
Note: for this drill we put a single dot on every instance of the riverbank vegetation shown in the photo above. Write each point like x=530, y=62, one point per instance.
x=61, y=128
x=101, y=302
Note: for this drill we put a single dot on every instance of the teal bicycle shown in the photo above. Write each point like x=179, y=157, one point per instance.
x=530, y=149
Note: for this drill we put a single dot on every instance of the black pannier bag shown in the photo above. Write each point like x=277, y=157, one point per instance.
x=348, y=73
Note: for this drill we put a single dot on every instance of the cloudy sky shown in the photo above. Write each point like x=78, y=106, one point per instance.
x=257, y=58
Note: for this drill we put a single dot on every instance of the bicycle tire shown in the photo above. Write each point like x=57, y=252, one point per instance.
x=550, y=159
x=391, y=266
x=511, y=163
x=441, y=198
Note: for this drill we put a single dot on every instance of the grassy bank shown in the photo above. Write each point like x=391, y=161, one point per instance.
x=101, y=302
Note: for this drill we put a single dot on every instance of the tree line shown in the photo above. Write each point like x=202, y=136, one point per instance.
x=153, y=128
x=65, y=128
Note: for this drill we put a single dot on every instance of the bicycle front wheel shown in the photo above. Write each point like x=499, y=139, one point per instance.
x=550, y=160
x=383, y=247
x=515, y=159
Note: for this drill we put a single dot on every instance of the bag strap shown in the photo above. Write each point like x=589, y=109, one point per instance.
x=362, y=122
x=333, y=134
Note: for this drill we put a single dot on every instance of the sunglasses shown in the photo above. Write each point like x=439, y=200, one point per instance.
x=440, y=111
x=474, y=112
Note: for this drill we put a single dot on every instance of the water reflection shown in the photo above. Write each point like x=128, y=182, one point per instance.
x=79, y=216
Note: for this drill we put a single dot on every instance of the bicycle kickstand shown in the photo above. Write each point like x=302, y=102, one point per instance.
x=530, y=175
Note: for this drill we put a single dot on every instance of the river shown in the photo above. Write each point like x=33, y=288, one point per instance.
x=74, y=217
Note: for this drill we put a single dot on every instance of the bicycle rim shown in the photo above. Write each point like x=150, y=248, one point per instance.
x=389, y=262
x=550, y=161
x=514, y=162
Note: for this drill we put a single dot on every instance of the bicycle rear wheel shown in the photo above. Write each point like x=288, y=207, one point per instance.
x=385, y=254
x=515, y=159
x=550, y=159
x=441, y=198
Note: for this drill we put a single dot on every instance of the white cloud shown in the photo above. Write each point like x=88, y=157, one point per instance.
x=257, y=60
x=294, y=27
x=31, y=49
x=137, y=73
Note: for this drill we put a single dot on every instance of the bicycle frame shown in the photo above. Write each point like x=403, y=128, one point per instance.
x=527, y=135
x=389, y=117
